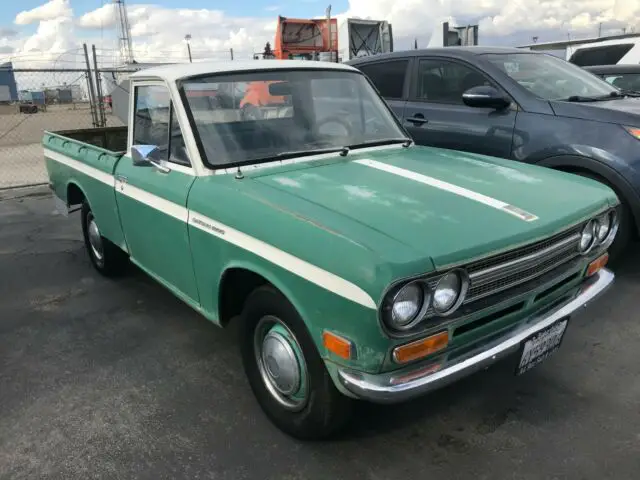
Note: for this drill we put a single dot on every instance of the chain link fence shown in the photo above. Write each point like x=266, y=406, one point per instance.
x=42, y=100
x=33, y=100
x=48, y=99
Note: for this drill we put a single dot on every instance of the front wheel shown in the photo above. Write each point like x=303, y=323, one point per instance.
x=106, y=257
x=285, y=371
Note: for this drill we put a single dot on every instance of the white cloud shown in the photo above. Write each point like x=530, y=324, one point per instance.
x=49, y=11
x=158, y=32
x=103, y=17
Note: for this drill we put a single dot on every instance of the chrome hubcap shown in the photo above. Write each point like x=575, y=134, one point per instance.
x=95, y=240
x=281, y=364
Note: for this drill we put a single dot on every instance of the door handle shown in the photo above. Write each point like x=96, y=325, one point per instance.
x=121, y=178
x=417, y=119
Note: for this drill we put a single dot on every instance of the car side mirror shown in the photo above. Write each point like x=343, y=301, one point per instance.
x=484, y=96
x=146, y=156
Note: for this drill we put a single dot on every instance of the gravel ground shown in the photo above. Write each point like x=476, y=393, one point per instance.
x=120, y=380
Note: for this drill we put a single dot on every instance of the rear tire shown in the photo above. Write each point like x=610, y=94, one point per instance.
x=625, y=229
x=107, y=258
x=306, y=404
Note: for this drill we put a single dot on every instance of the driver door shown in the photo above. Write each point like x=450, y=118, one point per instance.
x=152, y=201
x=436, y=116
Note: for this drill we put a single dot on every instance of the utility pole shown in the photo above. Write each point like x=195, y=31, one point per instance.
x=328, y=12
x=599, y=29
x=187, y=38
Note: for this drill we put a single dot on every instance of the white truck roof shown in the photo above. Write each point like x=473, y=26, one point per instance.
x=173, y=72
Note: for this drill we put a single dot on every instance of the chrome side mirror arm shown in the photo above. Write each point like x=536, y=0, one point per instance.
x=147, y=155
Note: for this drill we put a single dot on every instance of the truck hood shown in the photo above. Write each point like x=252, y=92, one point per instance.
x=447, y=205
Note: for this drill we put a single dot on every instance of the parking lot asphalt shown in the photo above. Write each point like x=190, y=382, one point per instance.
x=120, y=380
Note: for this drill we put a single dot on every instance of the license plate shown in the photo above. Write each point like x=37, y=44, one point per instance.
x=541, y=345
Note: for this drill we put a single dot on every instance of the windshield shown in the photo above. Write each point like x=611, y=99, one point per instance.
x=262, y=116
x=549, y=77
x=624, y=81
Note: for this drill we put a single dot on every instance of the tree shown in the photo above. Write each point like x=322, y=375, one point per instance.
x=268, y=53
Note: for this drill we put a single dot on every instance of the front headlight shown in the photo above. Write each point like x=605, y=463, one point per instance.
x=448, y=292
x=603, y=226
x=588, y=237
x=406, y=305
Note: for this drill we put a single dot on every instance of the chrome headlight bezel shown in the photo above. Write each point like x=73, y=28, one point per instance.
x=420, y=311
x=426, y=312
x=612, y=215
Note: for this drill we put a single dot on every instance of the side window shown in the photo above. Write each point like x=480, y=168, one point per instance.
x=388, y=77
x=155, y=123
x=442, y=81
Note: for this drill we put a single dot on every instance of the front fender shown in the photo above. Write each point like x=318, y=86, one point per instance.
x=322, y=310
x=622, y=187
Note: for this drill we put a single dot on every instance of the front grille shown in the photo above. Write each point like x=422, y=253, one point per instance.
x=503, y=271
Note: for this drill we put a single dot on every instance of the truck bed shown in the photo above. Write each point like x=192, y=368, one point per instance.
x=113, y=139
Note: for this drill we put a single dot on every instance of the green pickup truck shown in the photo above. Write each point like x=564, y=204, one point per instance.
x=359, y=265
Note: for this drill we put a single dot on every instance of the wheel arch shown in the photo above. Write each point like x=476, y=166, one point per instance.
x=238, y=280
x=622, y=188
x=75, y=193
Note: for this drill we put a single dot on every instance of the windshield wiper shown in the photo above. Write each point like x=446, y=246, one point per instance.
x=406, y=142
x=631, y=93
x=600, y=98
x=344, y=150
x=303, y=153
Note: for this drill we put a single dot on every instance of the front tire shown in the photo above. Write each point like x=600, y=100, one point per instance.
x=285, y=371
x=106, y=257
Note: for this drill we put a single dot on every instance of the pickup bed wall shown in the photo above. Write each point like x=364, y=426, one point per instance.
x=113, y=139
x=79, y=168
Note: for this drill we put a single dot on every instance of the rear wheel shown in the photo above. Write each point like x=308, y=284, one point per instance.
x=285, y=371
x=106, y=257
x=625, y=229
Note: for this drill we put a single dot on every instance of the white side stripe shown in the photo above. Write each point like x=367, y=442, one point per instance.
x=295, y=265
x=165, y=206
x=81, y=167
x=449, y=187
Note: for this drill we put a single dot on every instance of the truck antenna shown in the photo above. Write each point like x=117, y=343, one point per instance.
x=239, y=174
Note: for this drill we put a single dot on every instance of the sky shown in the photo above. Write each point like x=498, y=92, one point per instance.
x=45, y=33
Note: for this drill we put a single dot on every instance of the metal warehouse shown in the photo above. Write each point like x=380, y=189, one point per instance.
x=8, y=87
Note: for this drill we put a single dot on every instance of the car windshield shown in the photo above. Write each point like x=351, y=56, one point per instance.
x=551, y=78
x=262, y=116
x=624, y=81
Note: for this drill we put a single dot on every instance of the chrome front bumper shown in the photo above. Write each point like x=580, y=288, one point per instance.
x=416, y=380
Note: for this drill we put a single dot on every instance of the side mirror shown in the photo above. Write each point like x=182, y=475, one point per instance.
x=146, y=156
x=483, y=96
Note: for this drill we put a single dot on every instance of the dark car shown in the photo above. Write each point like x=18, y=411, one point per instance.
x=625, y=77
x=522, y=105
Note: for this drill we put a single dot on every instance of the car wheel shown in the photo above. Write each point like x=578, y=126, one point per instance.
x=285, y=371
x=625, y=229
x=106, y=257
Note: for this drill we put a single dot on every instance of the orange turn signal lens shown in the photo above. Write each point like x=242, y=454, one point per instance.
x=336, y=344
x=421, y=348
x=597, y=265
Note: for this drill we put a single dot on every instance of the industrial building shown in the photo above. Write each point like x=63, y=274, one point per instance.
x=8, y=86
